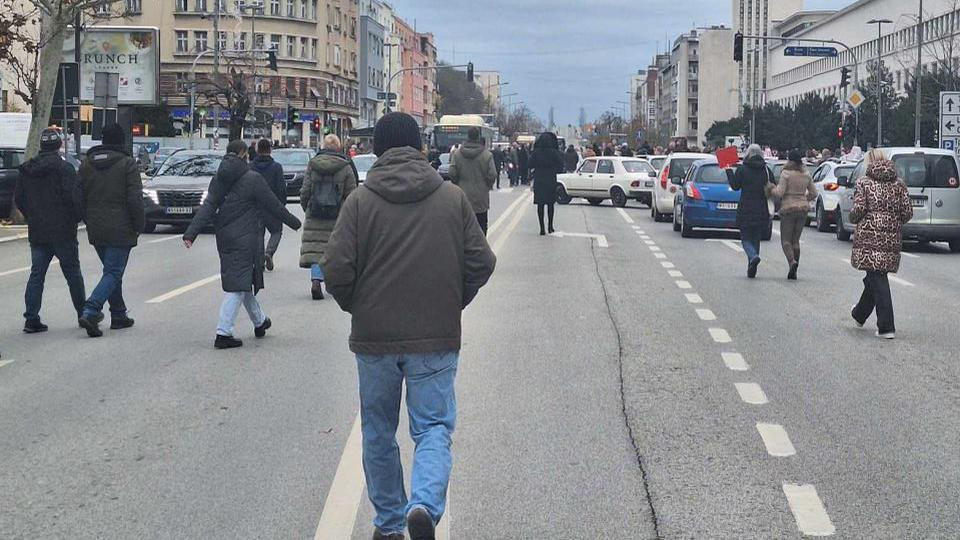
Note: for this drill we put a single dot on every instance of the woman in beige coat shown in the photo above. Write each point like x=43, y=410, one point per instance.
x=796, y=191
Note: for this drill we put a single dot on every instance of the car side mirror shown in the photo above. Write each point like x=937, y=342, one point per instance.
x=677, y=181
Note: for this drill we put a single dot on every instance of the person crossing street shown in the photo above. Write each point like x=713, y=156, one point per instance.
x=795, y=190
x=755, y=183
x=472, y=168
x=272, y=172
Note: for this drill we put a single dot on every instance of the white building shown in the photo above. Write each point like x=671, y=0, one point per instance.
x=757, y=18
x=637, y=83
x=718, y=78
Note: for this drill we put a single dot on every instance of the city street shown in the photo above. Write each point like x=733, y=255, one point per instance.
x=616, y=381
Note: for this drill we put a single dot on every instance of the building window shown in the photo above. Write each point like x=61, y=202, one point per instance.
x=222, y=40
x=181, y=5
x=303, y=48
x=241, y=41
x=291, y=9
x=182, y=83
x=291, y=44
x=303, y=9
x=200, y=41
x=182, y=39
x=336, y=55
x=313, y=49
x=258, y=41
x=313, y=9
x=275, y=7
x=134, y=7
x=103, y=9
x=200, y=6
x=275, y=42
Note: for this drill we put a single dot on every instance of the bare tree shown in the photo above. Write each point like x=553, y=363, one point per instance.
x=940, y=42
x=19, y=46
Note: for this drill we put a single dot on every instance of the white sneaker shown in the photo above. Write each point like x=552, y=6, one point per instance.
x=886, y=335
x=855, y=321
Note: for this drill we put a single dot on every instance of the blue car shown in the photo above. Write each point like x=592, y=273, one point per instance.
x=706, y=200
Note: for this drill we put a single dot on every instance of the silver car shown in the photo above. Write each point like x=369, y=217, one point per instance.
x=933, y=182
x=827, y=179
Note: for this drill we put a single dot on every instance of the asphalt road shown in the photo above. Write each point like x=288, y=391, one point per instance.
x=629, y=385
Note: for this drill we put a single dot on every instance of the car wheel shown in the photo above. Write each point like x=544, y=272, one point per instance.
x=618, y=197
x=842, y=234
x=676, y=224
x=149, y=227
x=595, y=202
x=653, y=211
x=686, y=231
x=955, y=246
x=822, y=224
x=562, y=196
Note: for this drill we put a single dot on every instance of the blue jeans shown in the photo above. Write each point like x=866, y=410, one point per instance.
x=432, y=408
x=230, y=308
x=110, y=288
x=316, y=272
x=68, y=253
x=750, y=240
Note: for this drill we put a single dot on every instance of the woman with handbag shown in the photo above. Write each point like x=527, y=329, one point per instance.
x=755, y=183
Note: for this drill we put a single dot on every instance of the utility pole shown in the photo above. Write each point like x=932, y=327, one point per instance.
x=216, y=72
x=919, y=113
x=76, y=58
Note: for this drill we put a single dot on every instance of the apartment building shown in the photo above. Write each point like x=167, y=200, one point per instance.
x=373, y=74
x=757, y=18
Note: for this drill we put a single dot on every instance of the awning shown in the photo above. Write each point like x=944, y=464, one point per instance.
x=315, y=93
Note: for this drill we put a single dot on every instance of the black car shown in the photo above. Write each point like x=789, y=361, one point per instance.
x=294, y=162
x=10, y=159
x=175, y=193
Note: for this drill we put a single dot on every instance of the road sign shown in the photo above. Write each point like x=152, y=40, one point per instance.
x=949, y=117
x=810, y=51
x=384, y=95
x=949, y=143
x=855, y=99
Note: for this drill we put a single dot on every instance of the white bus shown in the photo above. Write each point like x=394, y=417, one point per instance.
x=452, y=130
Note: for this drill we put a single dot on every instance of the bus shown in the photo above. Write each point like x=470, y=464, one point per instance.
x=452, y=130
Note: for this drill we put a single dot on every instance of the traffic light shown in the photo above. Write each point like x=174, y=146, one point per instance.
x=316, y=124
x=272, y=60
x=470, y=71
x=844, y=77
x=840, y=132
x=197, y=121
x=293, y=114
x=738, y=47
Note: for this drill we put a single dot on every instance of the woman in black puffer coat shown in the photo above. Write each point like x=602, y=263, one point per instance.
x=755, y=182
x=546, y=162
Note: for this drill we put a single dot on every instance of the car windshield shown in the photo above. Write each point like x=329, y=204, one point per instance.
x=657, y=162
x=927, y=170
x=191, y=165
x=10, y=158
x=363, y=163
x=679, y=167
x=711, y=174
x=637, y=166
x=292, y=159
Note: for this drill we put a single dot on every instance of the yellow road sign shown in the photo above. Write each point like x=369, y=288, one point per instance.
x=855, y=99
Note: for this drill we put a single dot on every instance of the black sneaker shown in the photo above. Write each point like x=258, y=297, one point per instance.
x=377, y=535
x=261, y=330
x=34, y=327
x=420, y=525
x=792, y=274
x=316, y=289
x=268, y=262
x=226, y=342
x=752, y=267
x=91, y=323
x=119, y=323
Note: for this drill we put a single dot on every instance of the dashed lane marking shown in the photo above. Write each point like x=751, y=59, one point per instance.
x=706, y=315
x=636, y=228
x=182, y=290
x=506, y=214
x=751, y=393
x=343, y=499
x=5, y=362
x=734, y=361
x=644, y=237
x=720, y=335
x=23, y=269
x=660, y=255
x=683, y=284
x=911, y=255
x=164, y=239
x=667, y=264
x=694, y=298
x=808, y=510
x=901, y=281
x=625, y=215
x=675, y=273
x=649, y=242
x=654, y=248
x=732, y=244
x=776, y=440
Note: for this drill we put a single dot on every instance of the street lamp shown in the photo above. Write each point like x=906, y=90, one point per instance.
x=253, y=8
x=878, y=74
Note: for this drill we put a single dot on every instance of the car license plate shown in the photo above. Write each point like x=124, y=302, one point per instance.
x=649, y=184
x=179, y=210
x=727, y=206
x=918, y=203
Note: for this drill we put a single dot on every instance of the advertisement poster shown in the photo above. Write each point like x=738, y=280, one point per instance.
x=132, y=52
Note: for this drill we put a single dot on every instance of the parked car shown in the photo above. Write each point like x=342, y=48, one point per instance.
x=665, y=190
x=933, y=181
x=827, y=180
x=178, y=189
x=10, y=159
x=657, y=161
x=294, y=162
x=706, y=200
x=616, y=178
x=363, y=163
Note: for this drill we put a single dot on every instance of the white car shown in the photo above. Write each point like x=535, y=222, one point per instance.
x=363, y=162
x=827, y=179
x=616, y=178
x=665, y=190
x=656, y=161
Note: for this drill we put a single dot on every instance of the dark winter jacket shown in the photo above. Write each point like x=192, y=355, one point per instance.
x=325, y=167
x=272, y=172
x=472, y=168
x=523, y=160
x=237, y=202
x=48, y=196
x=406, y=256
x=755, y=182
x=546, y=161
x=497, y=158
x=570, y=160
x=881, y=205
x=112, y=197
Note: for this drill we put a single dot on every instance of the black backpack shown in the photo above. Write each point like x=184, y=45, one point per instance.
x=326, y=199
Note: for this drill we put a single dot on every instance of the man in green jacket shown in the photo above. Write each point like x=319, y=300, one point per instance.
x=112, y=204
x=472, y=168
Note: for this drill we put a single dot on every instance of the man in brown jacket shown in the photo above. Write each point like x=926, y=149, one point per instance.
x=404, y=259
x=472, y=168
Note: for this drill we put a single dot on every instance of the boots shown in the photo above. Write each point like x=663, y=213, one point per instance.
x=316, y=289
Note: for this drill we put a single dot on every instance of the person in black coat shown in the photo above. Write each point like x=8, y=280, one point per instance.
x=47, y=196
x=272, y=172
x=523, y=163
x=498, y=162
x=755, y=182
x=571, y=159
x=237, y=202
x=546, y=162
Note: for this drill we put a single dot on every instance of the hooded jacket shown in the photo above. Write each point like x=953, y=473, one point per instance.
x=47, y=195
x=272, y=172
x=406, y=256
x=112, y=197
x=238, y=200
x=324, y=167
x=571, y=159
x=881, y=205
x=755, y=182
x=795, y=190
x=472, y=168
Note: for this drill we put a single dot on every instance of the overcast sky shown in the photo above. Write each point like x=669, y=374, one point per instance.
x=564, y=53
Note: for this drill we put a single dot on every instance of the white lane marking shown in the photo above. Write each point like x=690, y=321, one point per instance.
x=24, y=269
x=654, y=248
x=5, y=362
x=518, y=215
x=776, y=440
x=644, y=237
x=911, y=255
x=14, y=237
x=601, y=239
x=675, y=273
x=506, y=214
x=667, y=264
x=185, y=289
x=636, y=228
x=734, y=361
x=846, y=260
x=639, y=231
x=683, y=284
x=732, y=244
x=660, y=255
x=900, y=281
x=720, y=335
x=626, y=216
x=694, y=298
x=808, y=510
x=649, y=242
x=343, y=499
x=706, y=315
x=164, y=239
x=505, y=190
x=751, y=393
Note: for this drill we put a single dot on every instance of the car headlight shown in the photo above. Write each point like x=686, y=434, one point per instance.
x=203, y=197
x=152, y=195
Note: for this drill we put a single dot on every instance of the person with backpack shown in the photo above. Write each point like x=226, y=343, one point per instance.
x=46, y=196
x=238, y=200
x=272, y=172
x=330, y=179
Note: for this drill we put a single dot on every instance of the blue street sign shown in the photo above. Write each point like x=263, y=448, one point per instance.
x=948, y=144
x=810, y=51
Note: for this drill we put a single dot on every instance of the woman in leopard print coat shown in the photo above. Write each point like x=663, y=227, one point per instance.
x=881, y=205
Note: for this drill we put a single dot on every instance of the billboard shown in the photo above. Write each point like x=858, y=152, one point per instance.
x=131, y=52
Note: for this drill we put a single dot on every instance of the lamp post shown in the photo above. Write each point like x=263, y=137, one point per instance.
x=916, y=127
x=254, y=9
x=878, y=74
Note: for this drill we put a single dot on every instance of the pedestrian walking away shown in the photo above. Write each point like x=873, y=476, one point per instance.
x=472, y=168
x=498, y=163
x=571, y=159
x=405, y=258
x=523, y=163
x=755, y=183
x=546, y=163
x=330, y=179
x=112, y=202
x=47, y=196
x=881, y=206
x=796, y=191
x=238, y=201
x=272, y=172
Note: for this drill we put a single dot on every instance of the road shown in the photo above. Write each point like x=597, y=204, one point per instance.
x=631, y=384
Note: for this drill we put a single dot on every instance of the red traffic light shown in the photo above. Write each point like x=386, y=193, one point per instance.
x=840, y=132
x=316, y=124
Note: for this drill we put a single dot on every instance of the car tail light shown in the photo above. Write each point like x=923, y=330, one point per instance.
x=664, y=176
x=693, y=192
x=635, y=183
x=831, y=186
